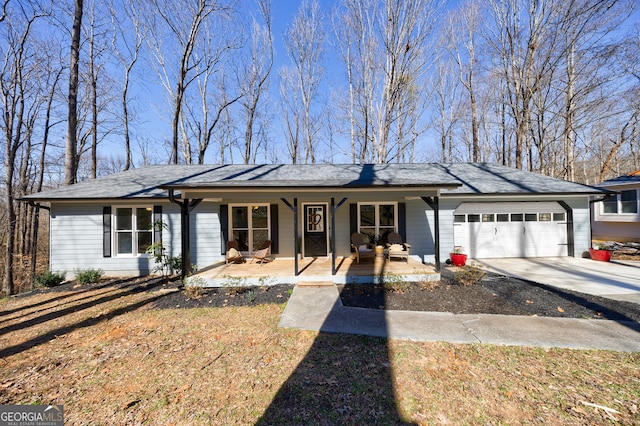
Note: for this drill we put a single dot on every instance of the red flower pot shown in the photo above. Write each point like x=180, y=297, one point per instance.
x=458, y=259
x=601, y=255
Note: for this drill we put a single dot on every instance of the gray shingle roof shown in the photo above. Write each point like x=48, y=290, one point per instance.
x=485, y=178
x=153, y=181
x=629, y=179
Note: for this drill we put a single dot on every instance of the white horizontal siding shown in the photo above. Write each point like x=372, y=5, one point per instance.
x=76, y=239
x=206, y=241
x=420, y=229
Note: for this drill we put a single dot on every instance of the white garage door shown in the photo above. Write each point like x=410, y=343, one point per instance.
x=517, y=229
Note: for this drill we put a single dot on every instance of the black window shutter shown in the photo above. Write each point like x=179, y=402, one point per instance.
x=274, y=229
x=106, y=231
x=157, y=228
x=224, y=226
x=353, y=221
x=402, y=220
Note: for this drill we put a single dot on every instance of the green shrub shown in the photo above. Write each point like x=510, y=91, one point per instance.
x=49, y=279
x=88, y=276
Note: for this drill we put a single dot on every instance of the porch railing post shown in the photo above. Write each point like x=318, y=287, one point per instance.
x=295, y=236
x=333, y=236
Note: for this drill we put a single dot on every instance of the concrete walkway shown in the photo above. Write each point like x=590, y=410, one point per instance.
x=320, y=308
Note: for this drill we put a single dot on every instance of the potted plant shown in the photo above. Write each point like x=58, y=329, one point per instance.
x=458, y=258
x=600, y=252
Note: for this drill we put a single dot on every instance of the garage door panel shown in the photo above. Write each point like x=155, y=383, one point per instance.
x=530, y=231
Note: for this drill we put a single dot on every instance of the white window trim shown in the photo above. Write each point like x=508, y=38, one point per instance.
x=114, y=231
x=249, y=218
x=619, y=212
x=377, y=205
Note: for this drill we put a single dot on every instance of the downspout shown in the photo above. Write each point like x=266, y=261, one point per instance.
x=34, y=247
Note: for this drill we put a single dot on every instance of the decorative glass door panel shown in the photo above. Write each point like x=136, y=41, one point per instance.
x=315, y=230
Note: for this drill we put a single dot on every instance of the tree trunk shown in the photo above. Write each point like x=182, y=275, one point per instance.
x=71, y=154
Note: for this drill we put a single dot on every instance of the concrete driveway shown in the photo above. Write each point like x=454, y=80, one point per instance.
x=618, y=280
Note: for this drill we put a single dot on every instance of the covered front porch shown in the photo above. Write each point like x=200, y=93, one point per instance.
x=314, y=270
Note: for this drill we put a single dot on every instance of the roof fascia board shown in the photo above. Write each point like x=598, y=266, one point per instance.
x=206, y=193
x=311, y=188
x=615, y=185
x=553, y=195
x=136, y=200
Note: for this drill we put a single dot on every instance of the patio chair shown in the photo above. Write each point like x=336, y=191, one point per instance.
x=397, y=248
x=261, y=254
x=362, y=249
x=233, y=253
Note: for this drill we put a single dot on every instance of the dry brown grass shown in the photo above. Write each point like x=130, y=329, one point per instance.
x=110, y=358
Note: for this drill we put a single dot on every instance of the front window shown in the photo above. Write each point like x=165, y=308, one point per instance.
x=133, y=230
x=629, y=201
x=624, y=203
x=377, y=219
x=249, y=226
x=610, y=205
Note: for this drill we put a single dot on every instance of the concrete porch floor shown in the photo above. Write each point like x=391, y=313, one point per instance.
x=314, y=270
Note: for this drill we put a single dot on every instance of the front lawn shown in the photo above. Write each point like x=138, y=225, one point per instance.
x=110, y=357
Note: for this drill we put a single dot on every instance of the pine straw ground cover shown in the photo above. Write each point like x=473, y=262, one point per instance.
x=110, y=357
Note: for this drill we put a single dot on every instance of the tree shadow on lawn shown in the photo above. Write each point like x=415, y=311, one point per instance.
x=64, y=287
x=343, y=379
x=131, y=287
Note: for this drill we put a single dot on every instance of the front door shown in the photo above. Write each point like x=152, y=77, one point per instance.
x=315, y=230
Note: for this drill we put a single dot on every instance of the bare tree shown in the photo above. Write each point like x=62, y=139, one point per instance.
x=385, y=49
x=289, y=103
x=253, y=77
x=304, y=42
x=444, y=104
x=71, y=156
x=19, y=104
x=175, y=32
x=206, y=106
x=126, y=47
x=588, y=52
x=460, y=34
x=355, y=33
x=96, y=36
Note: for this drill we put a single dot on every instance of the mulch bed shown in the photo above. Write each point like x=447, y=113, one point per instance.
x=225, y=296
x=495, y=294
